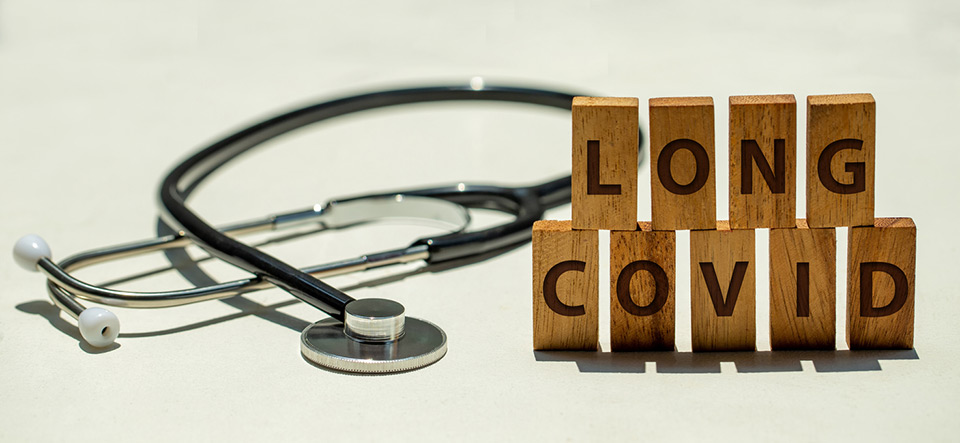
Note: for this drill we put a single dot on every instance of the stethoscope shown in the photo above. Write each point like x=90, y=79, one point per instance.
x=367, y=335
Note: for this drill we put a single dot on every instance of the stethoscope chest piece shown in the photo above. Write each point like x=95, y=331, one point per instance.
x=375, y=337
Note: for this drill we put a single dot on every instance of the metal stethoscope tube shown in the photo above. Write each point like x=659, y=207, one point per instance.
x=64, y=288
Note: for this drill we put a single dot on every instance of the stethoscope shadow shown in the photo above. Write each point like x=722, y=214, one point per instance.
x=186, y=266
x=52, y=314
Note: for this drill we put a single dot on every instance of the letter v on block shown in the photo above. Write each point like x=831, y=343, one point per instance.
x=723, y=258
x=724, y=306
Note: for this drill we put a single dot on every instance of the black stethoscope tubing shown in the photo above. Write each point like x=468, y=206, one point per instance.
x=526, y=203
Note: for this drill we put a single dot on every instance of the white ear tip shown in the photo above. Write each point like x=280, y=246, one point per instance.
x=98, y=326
x=29, y=250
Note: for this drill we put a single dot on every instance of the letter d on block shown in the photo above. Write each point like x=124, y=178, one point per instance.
x=565, y=287
x=605, y=152
x=881, y=261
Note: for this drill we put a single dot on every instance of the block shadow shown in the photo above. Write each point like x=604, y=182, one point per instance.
x=709, y=362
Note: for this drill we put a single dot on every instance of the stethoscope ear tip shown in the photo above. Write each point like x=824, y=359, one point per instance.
x=98, y=326
x=28, y=251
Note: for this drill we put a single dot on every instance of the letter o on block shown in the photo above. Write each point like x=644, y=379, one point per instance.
x=642, y=292
x=683, y=190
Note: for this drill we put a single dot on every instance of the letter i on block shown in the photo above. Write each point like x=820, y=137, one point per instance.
x=763, y=161
x=566, y=291
x=881, y=261
x=606, y=140
x=803, y=288
x=841, y=132
x=683, y=182
x=643, y=281
x=723, y=289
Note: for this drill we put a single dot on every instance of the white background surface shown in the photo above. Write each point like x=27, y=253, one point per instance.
x=99, y=98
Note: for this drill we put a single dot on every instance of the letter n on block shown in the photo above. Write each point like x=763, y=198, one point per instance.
x=763, y=161
x=723, y=289
x=803, y=288
x=565, y=287
x=682, y=177
x=881, y=261
x=605, y=152
x=841, y=132
x=642, y=287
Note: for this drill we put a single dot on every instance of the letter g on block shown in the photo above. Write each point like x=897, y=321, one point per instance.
x=858, y=169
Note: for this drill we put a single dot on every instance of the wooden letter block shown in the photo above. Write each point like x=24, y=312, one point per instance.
x=723, y=289
x=803, y=288
x=881, y=262
x=841, y=132
x=683, y=181
x=642, y=286
x=605, y=154
x=565, y=287
x=763, y=161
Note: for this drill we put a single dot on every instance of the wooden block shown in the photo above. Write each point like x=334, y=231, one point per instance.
x=642, y=289
x=881, y=262
x=763, y=161
x=605, y=154
x=723, y=289
x=841, y=133
x=565, y=287
x=682, y=174
x=803, y=288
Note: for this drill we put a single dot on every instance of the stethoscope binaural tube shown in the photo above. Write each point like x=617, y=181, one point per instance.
x=185, y=177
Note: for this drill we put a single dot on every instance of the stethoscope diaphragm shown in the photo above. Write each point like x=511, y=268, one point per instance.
x=375, y=337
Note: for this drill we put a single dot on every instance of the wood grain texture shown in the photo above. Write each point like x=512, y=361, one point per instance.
x=723, y=289
x=763, y=161
x=642, y=289
x=682, y=175
x=803, y=287
x=881, y=265
x=556, y=246
x=605, y=154
x=841, y=152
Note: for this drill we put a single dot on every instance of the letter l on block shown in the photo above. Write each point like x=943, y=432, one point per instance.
x=605, y=153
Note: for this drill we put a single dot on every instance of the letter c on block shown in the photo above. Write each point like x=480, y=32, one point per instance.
x=550, y=288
